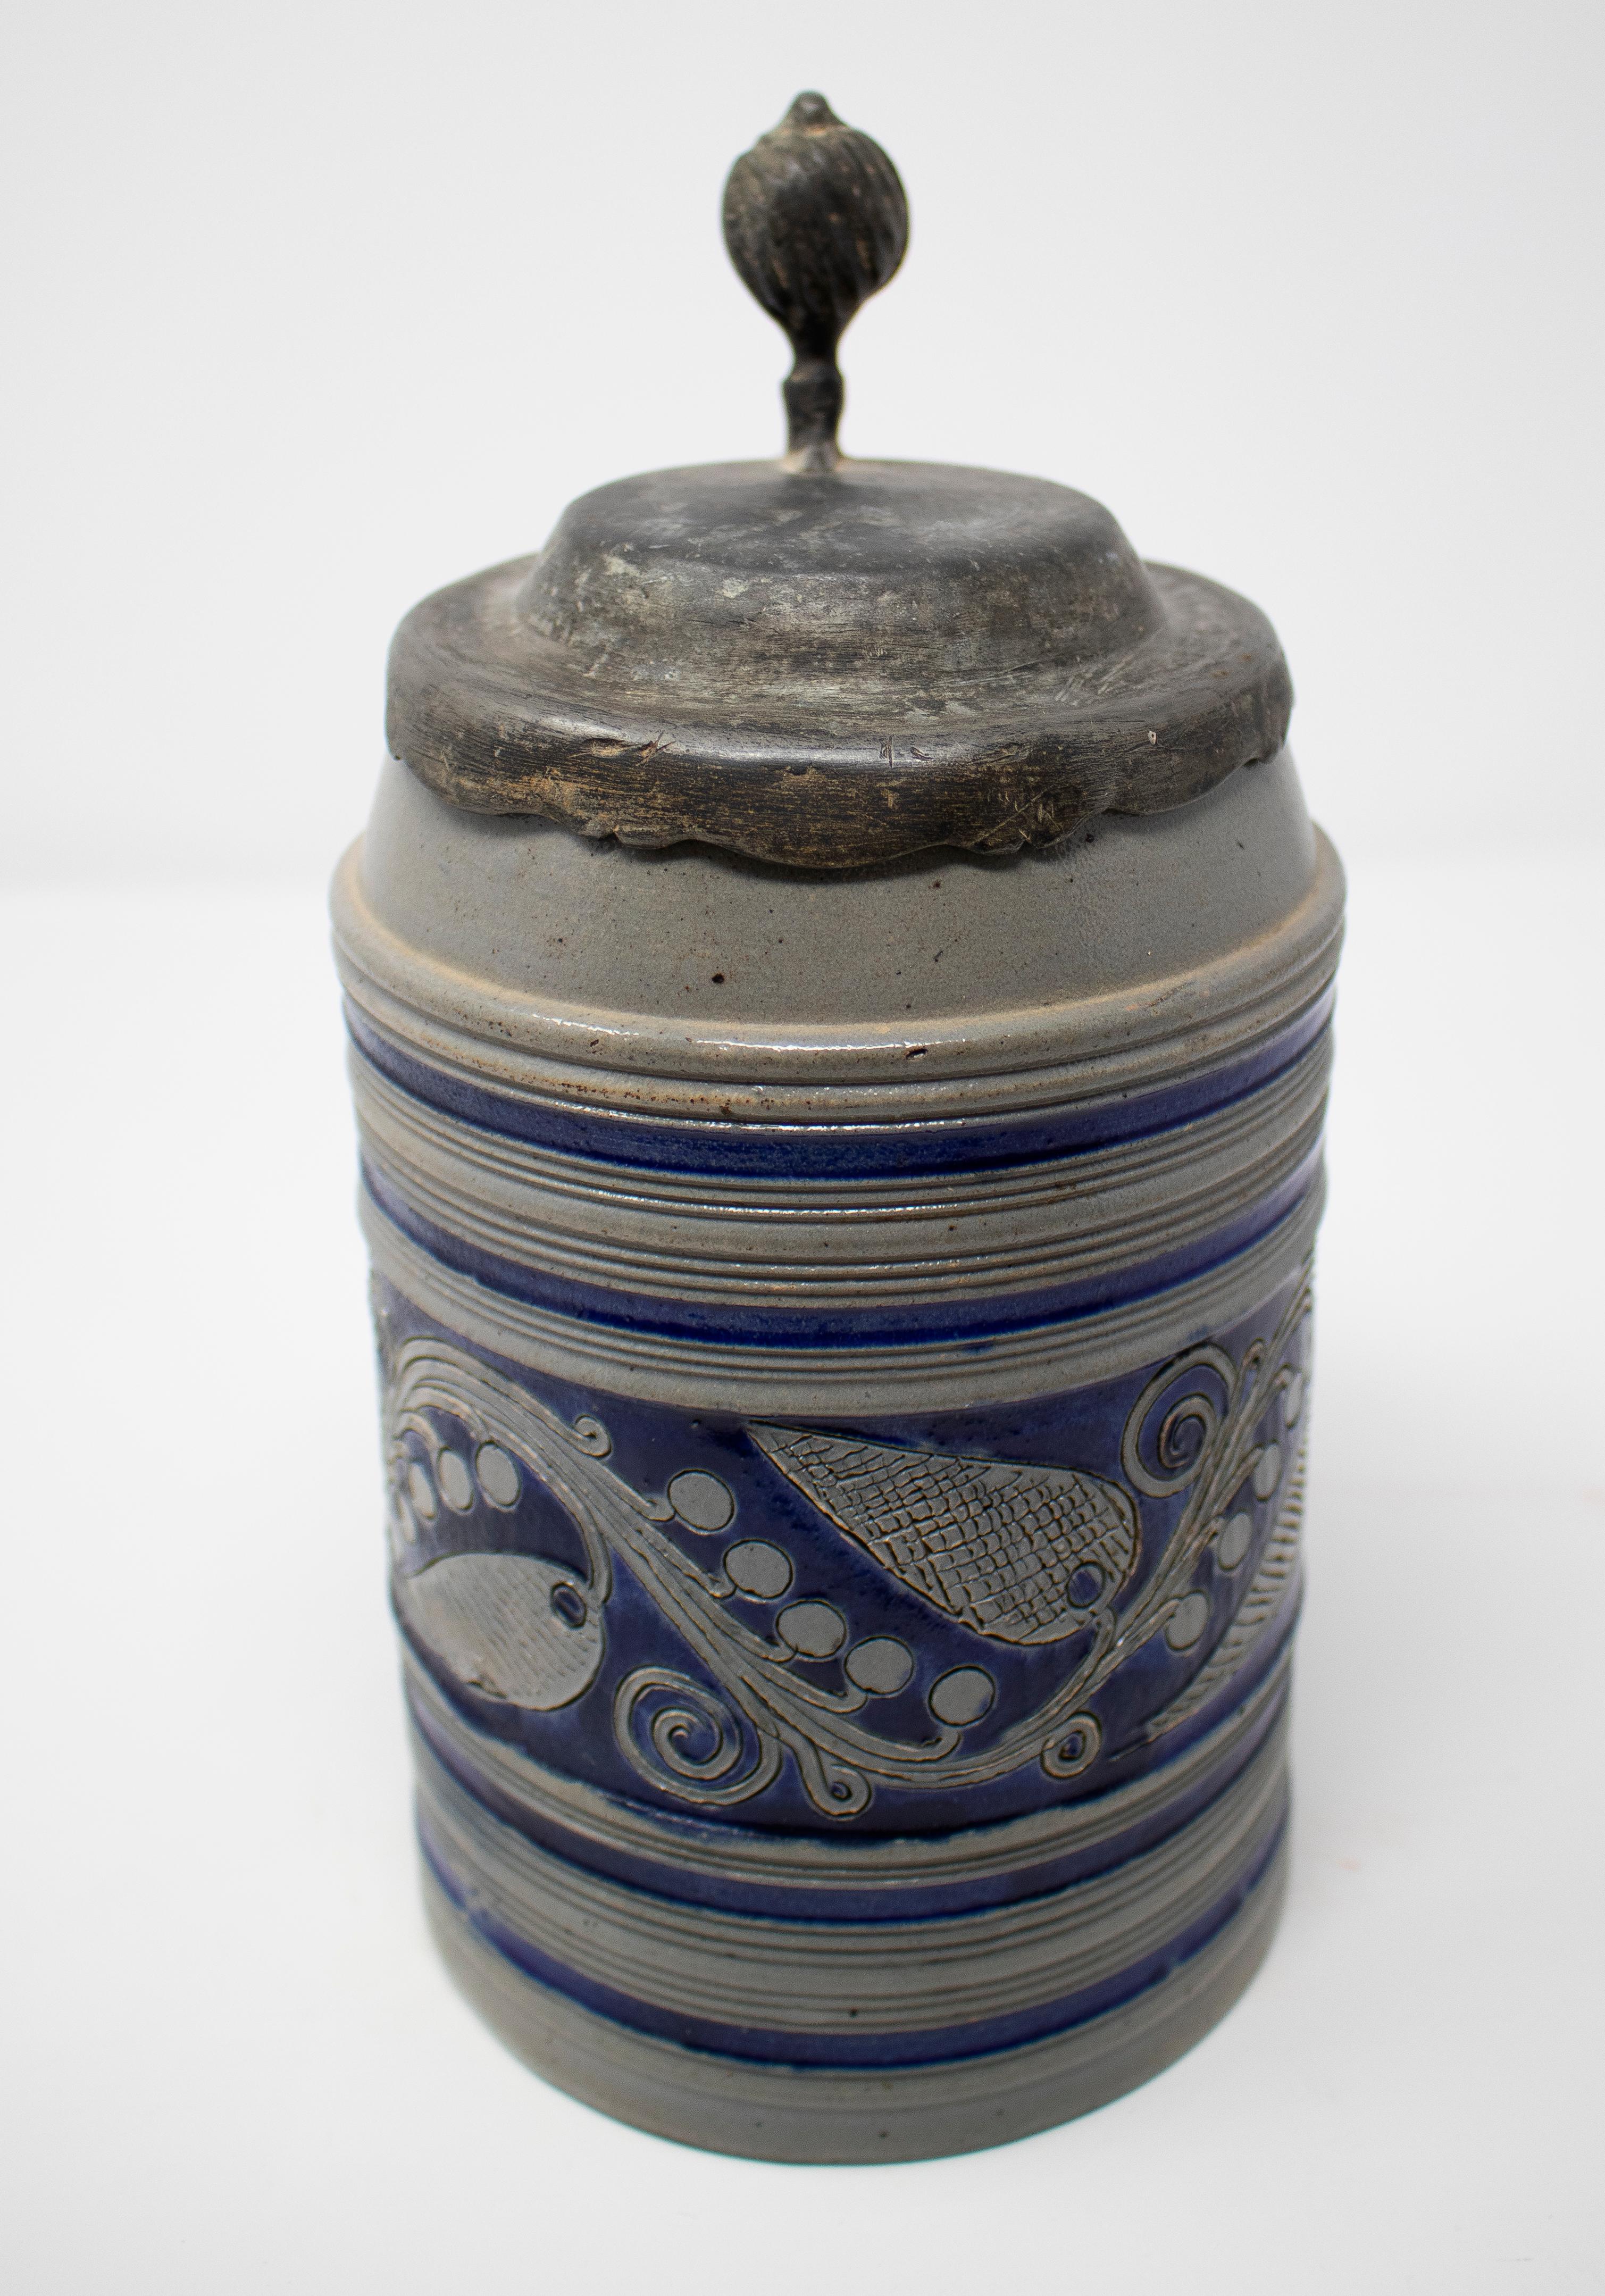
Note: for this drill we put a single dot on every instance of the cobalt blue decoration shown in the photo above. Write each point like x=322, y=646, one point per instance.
x=839, y=977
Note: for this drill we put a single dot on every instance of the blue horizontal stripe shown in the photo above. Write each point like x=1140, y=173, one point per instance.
x=876, y=1897
x=847, y=2049
x=733, y=1324
x=806, y=1152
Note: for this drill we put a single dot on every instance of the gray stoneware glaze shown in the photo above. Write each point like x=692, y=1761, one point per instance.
x=839, y=973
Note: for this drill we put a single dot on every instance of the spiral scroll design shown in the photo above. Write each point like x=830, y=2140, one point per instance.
x=591, y=1437
x=1190, y=1431
x=1074, y=1747
x=677, y=1733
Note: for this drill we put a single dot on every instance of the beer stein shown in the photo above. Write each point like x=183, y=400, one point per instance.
x=839, y=974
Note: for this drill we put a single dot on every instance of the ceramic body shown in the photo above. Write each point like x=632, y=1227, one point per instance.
x=846, y=1350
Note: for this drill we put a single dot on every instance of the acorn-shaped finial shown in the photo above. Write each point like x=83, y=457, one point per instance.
x=817, y=223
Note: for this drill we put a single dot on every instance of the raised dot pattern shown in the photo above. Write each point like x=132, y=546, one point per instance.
x=882, y=1665
x=456, y=1484
x=498, y=1473
x=962, y=1696
x=700, y=1500
x=1191, y=1616
x=757, y=1568
x=1233, y=1541
x=813, y=1629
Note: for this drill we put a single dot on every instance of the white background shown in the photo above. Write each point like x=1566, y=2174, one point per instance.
x=311, y=308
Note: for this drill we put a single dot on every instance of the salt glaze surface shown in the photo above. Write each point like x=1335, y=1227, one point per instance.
x=846, y=1354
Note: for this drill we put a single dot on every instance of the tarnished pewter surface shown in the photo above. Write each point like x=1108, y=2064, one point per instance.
x=744, y=666
x=823, y=662
x=815, y=222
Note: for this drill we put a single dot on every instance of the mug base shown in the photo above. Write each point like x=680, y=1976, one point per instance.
x=815, y=2114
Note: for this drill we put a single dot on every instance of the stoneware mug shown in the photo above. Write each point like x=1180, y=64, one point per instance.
x=839, y=975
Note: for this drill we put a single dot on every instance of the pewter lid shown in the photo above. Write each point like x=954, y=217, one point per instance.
x=824, y=661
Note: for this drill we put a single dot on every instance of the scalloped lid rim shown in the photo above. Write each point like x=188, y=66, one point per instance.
x=826, y=668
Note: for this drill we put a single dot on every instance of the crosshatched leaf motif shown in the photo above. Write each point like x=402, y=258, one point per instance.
x=1023, y=1553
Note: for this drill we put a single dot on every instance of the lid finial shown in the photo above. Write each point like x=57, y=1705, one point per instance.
x=816, y=222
